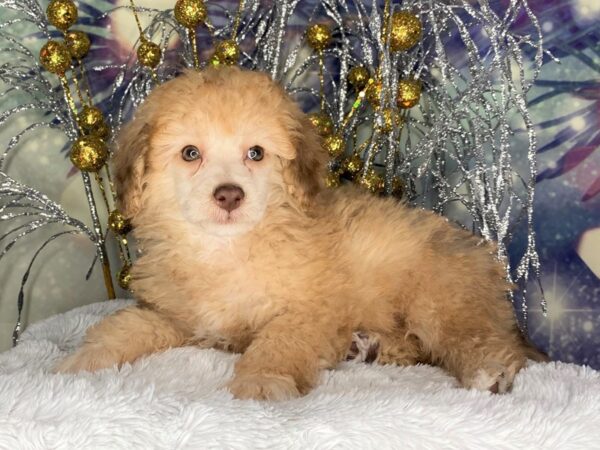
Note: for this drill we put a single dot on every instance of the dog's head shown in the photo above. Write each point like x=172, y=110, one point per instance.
x=216, y=149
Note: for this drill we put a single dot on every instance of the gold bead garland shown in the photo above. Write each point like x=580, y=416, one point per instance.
x=227, y=52
x=403, y=31
x=319, y=38
x=190, y=14
x=89, y=151
x=148, y=53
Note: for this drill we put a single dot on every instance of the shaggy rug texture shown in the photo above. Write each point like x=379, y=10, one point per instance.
x=175, y=400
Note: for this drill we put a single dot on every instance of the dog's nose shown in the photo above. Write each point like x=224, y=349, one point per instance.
x=229, y=196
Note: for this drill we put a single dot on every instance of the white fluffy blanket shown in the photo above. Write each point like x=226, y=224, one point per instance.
x=175, y=400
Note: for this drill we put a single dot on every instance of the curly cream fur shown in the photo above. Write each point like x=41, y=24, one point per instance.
x=307, y=269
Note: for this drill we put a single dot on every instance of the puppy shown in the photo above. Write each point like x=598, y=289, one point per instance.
x=244, y=250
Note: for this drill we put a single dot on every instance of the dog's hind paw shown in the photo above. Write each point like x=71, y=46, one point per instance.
x=364, y=347
x=264, y=387
x=494, y=378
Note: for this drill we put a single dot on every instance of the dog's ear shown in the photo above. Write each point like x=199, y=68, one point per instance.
x=305, y=174
x=129, y=165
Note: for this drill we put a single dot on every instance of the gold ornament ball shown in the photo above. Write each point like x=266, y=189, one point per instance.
x=373, y=182
x=353, y=164
x=89, y=153
x=62, y=13
x=124, y=276
x=374, y=93
x=334, y=145
x=102, y=131
x=391, y=120
x=90, y=118
x=405, y=32
x=118, y=223
x=332, y=180
x=228, y=52
x=78, y=43
x=409, y=93
x=319, y=36
x=322, y=122
x=397, y=187
x=190, y=13
x=358, y=77
x=55, y=57
x=148, y=54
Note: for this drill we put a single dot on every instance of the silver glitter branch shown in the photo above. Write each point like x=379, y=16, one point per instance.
x=22, y=74
x=31, y=210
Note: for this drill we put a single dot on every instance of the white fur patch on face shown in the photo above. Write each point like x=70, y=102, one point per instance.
x=223, y=161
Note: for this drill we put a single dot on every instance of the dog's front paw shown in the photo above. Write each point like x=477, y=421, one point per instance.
x=264, y=387
x=85, y=360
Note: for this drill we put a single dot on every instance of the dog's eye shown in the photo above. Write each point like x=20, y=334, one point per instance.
x=256, y=153
x=190, y=153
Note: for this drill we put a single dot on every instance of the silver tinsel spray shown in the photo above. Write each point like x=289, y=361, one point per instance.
x=422, y=99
